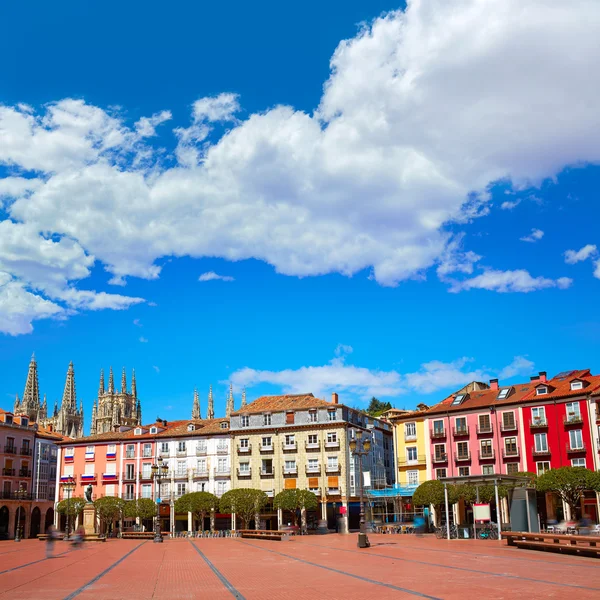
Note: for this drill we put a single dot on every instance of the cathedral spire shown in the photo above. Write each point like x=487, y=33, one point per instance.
x=196, y=406
x=133, y=385
x=210, y=414
x=244, y=398
x=139, y=412
x=44, y=409
x=123, y=382
x=69, y=399
x=55, y=413
x=101, y=386
x=111, y=382
x=30, y=404
x=17, y=406
x=230, y=406
x=93, y=427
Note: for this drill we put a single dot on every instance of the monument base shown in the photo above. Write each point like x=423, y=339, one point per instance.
x=89, y=519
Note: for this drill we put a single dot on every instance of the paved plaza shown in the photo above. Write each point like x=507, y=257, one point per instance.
x=306, y=567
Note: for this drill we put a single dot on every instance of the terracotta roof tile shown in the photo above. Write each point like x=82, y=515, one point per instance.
x=285, y=402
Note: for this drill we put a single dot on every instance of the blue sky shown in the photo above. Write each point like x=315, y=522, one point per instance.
x=390, y=214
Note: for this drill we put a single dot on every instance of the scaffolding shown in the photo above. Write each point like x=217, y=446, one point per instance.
x=392, y=505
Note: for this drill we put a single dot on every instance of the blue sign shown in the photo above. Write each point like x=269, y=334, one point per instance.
x=158, y=501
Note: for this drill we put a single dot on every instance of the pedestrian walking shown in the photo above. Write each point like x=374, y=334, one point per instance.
x=50, y=539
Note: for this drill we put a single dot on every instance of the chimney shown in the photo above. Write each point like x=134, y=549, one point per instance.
x=334, y=398
x=543, y=376
x=493, y=384
x=535, y=377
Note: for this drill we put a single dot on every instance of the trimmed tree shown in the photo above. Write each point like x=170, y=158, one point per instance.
x=74, y=505
x=143, y=508
x=569, y=483
x=294, y=500
x=109, y=508
x=199, y=504
x=432, y=493
x=245, y=502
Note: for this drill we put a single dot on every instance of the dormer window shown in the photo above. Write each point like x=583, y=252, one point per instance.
x=541, y=391
x=503, y=394
x=9, y=419
x=577, y=385
x=153, y=430
x=224, y=425
x=137, y=431
x=191, y=427
x=24, y=421
x=459, y=399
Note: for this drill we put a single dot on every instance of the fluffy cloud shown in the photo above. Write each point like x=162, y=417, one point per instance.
x=510, y=204
x=212, y=276
x=575, y=256
x=534, y=236
x=422, y=111
x=510, y=281
x=359, y=383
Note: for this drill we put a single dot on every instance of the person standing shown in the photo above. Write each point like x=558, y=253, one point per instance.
x=50, y=539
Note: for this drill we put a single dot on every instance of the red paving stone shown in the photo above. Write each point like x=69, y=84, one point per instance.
x=312, y=567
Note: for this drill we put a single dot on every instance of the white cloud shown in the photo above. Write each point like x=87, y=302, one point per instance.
x=575, y=256
x=422, y=111
x=510, y=204
x=156, y=368
x=137, y=323
x=360, y=383
x=212, y=276
x=510, y=281
x=143, y=340
x=534, y=236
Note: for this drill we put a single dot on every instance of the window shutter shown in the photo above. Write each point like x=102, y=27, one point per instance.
x=332, y=482
x=289, y=418
x=313, y=482
x=290, y=484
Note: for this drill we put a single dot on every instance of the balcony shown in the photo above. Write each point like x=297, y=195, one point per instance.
x=266, y=473
x=200, y=474
x=222, y=471
x=486, y=455
x=442, y=457
x=333, y=445
x=312, y=446
x=146, y=476
x=163, y=452
x=333, y=469
x=290, y=470
x=460, y=431
x=147, y=454
x=541, y=451
x=222, y=449
x=244, y=449
x=266, y=447
x=110, y=477
x=87, y=477
x=437, y=434
x=10, y=449
x=8, y=472
x=26, y=452
x=128, y=496
x=244, y=473
x=179, y=474
x=24, y=472
x=293, y=447
x=482, y=429
x=579, y=450
x=573, y=419
x=200, y=450
x=462, y=456
x=129, y=476
x=313, y=470
x=6, y=495
x=538, y=423
x=402, y=462
x=410, y=437
x=510, y=453
x=508, y=427
x=129, y=454
x=181, y=452
x=333, y=491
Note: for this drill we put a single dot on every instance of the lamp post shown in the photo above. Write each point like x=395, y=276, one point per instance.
x=159, y=472
x=68, y=486
x=360, y=447
x=20, y=495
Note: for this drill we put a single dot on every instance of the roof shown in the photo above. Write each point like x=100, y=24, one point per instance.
x=171, y=429
x=47, y=434
x=282, y=403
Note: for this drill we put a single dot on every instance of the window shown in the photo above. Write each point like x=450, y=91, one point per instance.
x=485, y=423
x=267, y=419
x=438, y=427
x=181, y=489
x=289, y=418
x=573, y=412
x=69, y=452
x=290, y=466
x=191, y=427
x=508, y=421
x=503, y=394
x=512, y=468
x=412, y=477
x=462, y=449
x=313, y=439
x=313, y=416
x=137, y=431
x=201, y=465
x=89, y=450
x=541, y=442
x=244, y=467
x=68, y=471
x=464, y=471
x=542, y=467
x=410, y=430
x=486, y=448
x=266, y=442
x=111, y=468
x=223, y=465
x=332, y=415
x=461, y=425
x=153, y=430
x=332, y=463
x=538, y=414
x=576, y=385
x=147, y=490
x=164, y=448
x=487, y=470
x=130, y=472
x=24, y=421
x=440, y=452
x=45, y=452
x=129, y=492
x=181, y=446
x=109, y=490
x=541, y=391
x=111, y=451
x=578, y=462
x=244, y=443
x=267, y=466
x=332, y=437
x=181, y=467
x=201, y=446
x=146, y=470
x=164, y=490
x=313, y=464
x=576, y=439
x=130, y=451
x=440, y=473
x=290, y=440
x=458, y=399
x=411, y=454
x=245, y=421
x=221, y=488
x=510, y=446
x=147, y=451
x=224, y=425
x=89, y=469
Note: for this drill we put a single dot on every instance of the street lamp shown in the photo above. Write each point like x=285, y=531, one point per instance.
x=68, y=486
x=360, y=447
x=159, y=472
x=20, y=495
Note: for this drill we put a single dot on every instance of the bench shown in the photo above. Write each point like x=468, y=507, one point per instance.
x=265, y=534
x=135, y=535
x=584, y=545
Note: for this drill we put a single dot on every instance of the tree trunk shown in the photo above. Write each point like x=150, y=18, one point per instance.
x=303, y=518
x=212, y=520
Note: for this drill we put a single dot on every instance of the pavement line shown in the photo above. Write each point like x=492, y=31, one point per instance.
x=373, y=581
x=218, y=573
x=107, y=570
x=430, y=564
x=33, y=563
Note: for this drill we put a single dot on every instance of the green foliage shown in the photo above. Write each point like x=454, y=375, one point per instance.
x=109, y=508
x=468, y=492
x=295, y=499
x=144, y=508
x=569, y=483
x=376, y=407
x=532, y=477
x=244, y=502
x=75, y=505
x=432, y=492
x=198, y=503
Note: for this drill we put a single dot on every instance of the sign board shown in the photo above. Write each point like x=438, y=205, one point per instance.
x=367, y=478
x=342, y=510
x=481, y=513
x=158, y=501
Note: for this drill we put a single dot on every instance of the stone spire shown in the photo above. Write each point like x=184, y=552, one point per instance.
x=244, y=398
x=111, y=382
x=17, y=406
x=133, y=385
x=44, y=408
x=55, y=412
x=196, y=406
x=210, y=413
x=30, y=404
x=93, y=427
x=123, y=382
x=69, y=399
x=139, y=412
x=230, y=406
x=101, y=386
